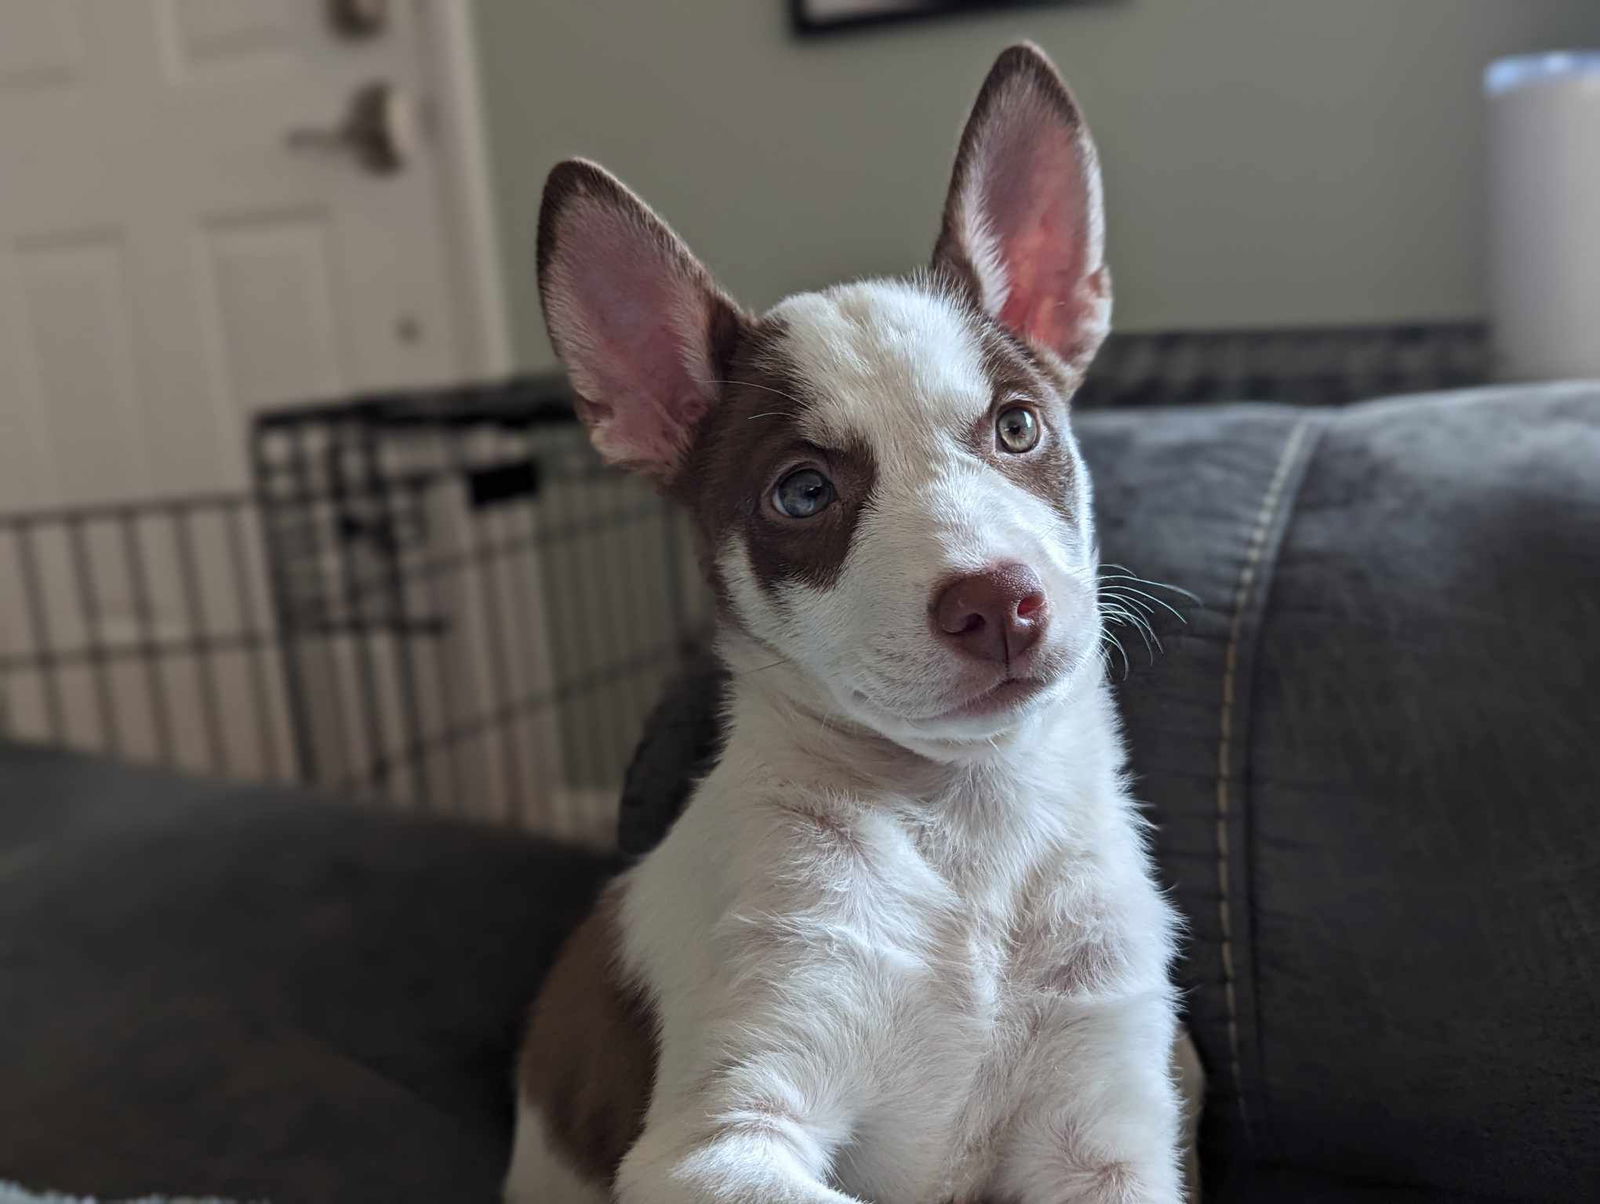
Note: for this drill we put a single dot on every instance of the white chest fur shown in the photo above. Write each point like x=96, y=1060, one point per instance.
x=893, y=980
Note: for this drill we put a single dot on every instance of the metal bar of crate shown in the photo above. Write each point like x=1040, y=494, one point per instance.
x=278, y=558
x=39, y=628
x=393, y=575
x=482, y=553
x=133, y=552
x=94, y=646
x=200, y=635
x=239, y=565
x=443, y=673
x=346, y=504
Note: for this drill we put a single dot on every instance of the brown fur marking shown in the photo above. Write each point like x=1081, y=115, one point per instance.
x=743, y=446
x=1020, y=372
x=588, y=1062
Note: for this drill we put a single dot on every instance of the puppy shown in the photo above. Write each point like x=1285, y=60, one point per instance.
x=904, y=945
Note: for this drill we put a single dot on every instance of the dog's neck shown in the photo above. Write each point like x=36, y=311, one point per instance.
x=783, y=718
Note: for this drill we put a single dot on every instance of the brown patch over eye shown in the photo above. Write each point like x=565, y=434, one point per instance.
x=747, y=448
x=1024, y=435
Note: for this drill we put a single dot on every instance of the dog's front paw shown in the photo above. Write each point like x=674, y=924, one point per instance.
x=740, y=1169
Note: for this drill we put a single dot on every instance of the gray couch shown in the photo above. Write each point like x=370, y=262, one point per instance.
x=1373, y=752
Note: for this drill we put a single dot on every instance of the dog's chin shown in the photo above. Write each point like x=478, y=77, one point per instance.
x=976, y=712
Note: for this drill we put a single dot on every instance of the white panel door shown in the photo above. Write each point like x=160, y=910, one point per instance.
x=172, y=257
x=182, y=242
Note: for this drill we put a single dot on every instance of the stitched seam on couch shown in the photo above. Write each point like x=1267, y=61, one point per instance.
x=1251, y=585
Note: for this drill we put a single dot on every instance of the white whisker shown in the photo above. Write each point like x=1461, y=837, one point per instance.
x=1177, y=614
x=765, y=388
x=1142, y=606
x=1125, y=574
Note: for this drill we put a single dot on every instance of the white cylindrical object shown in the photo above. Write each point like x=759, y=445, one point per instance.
x=1544, y=215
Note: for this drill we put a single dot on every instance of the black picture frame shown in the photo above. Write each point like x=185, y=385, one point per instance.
x=808, y=22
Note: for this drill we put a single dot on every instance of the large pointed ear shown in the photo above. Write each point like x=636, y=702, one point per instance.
x=1024, y=227
x=641, y=327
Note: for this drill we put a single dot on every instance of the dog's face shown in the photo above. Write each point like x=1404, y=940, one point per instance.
x=893, y=501
x=883, y=474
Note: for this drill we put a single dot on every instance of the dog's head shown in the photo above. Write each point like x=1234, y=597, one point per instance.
x=883, y=473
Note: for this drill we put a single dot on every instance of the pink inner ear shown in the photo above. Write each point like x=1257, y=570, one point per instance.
x=631, y=313
x=1040, y=203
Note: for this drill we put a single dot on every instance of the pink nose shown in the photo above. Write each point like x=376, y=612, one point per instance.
x=995, y=615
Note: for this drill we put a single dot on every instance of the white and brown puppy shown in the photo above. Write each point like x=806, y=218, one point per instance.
x=904, y=944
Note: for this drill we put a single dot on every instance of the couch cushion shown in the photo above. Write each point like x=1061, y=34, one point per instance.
x=1423, y=769
x=208, y=989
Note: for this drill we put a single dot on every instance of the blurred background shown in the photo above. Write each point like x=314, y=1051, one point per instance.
x=215, y=213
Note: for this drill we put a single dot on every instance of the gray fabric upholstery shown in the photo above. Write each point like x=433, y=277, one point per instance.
x=1372, y=755
x=213, y=990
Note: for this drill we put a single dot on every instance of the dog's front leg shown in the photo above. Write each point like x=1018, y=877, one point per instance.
x=1101, y=1120
x=753, y=1110
x=759, y=1125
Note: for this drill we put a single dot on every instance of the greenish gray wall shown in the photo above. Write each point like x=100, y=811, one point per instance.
x=1268, y=162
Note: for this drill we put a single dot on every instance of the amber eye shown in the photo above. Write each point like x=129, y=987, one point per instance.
x=804, y=493
x=1017, y=429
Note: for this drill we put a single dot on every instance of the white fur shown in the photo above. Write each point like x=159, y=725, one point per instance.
x=898, y=957
x=906, y=981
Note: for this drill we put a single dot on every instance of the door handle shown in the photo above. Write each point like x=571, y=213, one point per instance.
x=378, y=130
x=358, y=19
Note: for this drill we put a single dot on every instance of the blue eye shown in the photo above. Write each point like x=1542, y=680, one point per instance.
x=804, y=493
x=1017, y=429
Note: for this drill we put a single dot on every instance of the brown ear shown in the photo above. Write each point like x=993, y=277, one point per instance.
x=641, y=327
x=1024, y=226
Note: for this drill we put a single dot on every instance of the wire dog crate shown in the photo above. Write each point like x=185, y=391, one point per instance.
x=443, y=601
x=1327, y=365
